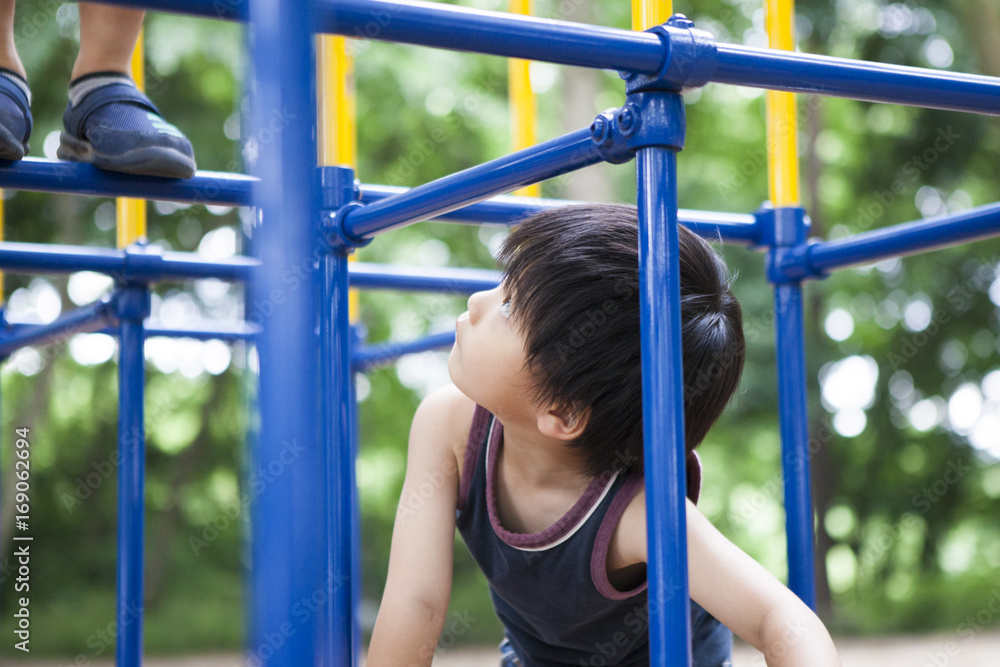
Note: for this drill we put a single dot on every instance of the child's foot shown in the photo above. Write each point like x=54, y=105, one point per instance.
x=15, y=115
x=113, y=125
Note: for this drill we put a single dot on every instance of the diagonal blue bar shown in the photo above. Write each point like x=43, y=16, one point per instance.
x=206, y=187
x=738, y=228
x=856, y=79
x=85, y=319
x=419, y=278
x=547, y=160
x=905, y=239
x=497, y=33
x=370, y=355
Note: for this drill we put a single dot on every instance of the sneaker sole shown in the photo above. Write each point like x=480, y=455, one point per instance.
x=149, y=161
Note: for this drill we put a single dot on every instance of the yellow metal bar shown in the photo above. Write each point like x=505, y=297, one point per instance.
x=647, y=13
x=337, y=105
x=522, y=102
x=337, y=135
x=782, y=122
x=132, y=212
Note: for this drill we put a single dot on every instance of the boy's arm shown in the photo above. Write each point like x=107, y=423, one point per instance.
x=418, y=585
x=746, y=598
x=738, y=591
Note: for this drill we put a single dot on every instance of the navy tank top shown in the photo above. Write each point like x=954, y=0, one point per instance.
x=550, y=589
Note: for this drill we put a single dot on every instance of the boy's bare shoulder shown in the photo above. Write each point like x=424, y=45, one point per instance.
x=632, y=529
x=443, y=419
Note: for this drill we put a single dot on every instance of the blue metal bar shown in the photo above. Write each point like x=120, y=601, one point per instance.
x=290, y=549
x=663, y=407
x=547, y=160
x=790, y=230
x=132, y=304
x=146, y=263
x=419, y=278
x=226, y=10
x=338, y=440
x=206, y=187
x=92, y=317
x=900, y=240
x=497, y=33
x=206, y=331
x=739, y=228
x=794, y=417
x=854, y=79
x=371, y=355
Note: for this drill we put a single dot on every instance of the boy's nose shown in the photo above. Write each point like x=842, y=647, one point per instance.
x=475, y=306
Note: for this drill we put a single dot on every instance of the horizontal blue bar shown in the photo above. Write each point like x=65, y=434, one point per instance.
x=422, y=278
x=739, y=228
x=204, y=331
x=547, y=160
x=226, y=10
x=371, y=355
x=150, y=264
x=854, y=79
x=905, y=239
x=206, y=187
x=85, y=319
x=496, y=33
x=53, y=258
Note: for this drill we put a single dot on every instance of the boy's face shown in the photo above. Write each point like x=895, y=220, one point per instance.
x=488, y=361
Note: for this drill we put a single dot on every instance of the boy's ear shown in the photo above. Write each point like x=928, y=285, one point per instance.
x=556, y=421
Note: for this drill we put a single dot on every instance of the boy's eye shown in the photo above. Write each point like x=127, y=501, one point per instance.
x=505, y=309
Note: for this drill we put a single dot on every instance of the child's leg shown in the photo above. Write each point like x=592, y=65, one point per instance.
x=108, y=121
x=107, y=39
x=8, y=52
x=15, y=98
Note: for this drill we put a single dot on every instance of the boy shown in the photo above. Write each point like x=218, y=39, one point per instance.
x=539, y=448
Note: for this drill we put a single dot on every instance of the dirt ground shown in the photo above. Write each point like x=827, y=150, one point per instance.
x=942, y=650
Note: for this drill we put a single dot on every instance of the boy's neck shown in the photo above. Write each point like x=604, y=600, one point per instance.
x=539, y=460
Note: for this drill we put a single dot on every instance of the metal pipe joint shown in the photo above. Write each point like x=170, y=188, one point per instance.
x=648, y=119
x=132, y=303
x=786, y=231
x=689, y=59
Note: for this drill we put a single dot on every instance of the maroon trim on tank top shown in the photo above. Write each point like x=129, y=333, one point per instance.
x=599, y=561
x=477, y=437
x=543, y=538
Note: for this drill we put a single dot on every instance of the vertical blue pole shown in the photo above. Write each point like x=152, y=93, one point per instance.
x=290, y=577
x=663, y=403
x=790, y=229
x=132, y=305
x=338, y=420
x=355, y=506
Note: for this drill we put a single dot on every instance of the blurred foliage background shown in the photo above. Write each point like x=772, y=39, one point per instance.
x=904, y=358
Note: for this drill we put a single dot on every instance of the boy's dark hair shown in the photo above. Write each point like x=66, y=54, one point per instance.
x=572, y=274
